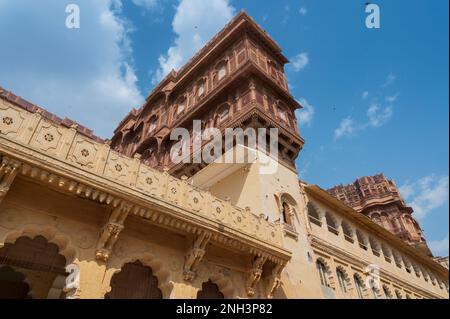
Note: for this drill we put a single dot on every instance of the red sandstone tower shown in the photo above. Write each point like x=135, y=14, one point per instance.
x=379, y=199
x=236, y=80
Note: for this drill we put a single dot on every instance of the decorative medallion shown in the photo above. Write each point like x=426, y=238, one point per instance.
x=218, y=210
x=173, y=190
x=85, y=152
x=149, y=180
x=8, y=120
x=49, y=137
x=118, y=167
x=195, y=200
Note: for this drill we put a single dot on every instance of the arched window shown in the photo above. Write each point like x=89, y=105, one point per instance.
x=416, y=270
x=376, y=218
x=201, y=88
x=282, y=114
x=348, y=232
x=331, y=224
x=134, y=281
x=322, y=273
x=398, y=294
x=221, y=71
x=313, y=214
x=223, y=113
x=362, y=241
x=341, y=279
x=426, y=276
x=181, y=105
x=408, y=296
x=386, y=252
x=407, y=263
x=398, y=259
x=153, y=122
x=286, y=211
x=209, y=291
x=359, y=286
x=375, y=246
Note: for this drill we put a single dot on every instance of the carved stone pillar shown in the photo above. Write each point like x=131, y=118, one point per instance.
x=111, y=231
x=195, y=255
x=8, y=171
x=254, y=275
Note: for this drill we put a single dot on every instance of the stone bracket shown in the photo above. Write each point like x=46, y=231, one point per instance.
x=195, y=255
x=254, y=275
x=111, y=230
x=275, y=279
x=8, y=171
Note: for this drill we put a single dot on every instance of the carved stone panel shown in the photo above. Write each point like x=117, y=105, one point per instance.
x=83, y=152
x=47, y=137
x=118, y=168
x=10, y=120
x=174, y=189
x=150, y=181
x=195, y=199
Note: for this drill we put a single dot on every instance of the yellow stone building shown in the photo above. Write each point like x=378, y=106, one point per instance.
x=85, y=218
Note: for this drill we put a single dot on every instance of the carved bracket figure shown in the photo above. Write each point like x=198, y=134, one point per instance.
x=8, y=171
x=195, y=255
x=111, y=231
x=275, y=279
x=254, y=275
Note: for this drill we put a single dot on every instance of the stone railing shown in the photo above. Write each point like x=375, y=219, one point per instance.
x=66, y=145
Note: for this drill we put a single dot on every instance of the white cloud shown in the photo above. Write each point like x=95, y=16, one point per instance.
x=378, y=116
x=300, y=61
x=391, y=98
x=389, y=80
x=304, y=169
x=85, y=74
x=306, y=114
x=439, y=247
x=346, y=127
x=365, y=95
x=303, y=11
x=148, y=4
x=426, y=194
x=195, y=22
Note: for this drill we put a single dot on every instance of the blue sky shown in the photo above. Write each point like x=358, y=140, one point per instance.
x=376, y=100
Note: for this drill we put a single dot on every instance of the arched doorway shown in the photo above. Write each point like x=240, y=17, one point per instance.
x=134, y=281
x=210, y=291
x=30, y=260
x=12, y=284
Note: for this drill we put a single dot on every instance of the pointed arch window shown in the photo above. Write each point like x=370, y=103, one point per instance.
x=359, y=286
x=341, y=279
x=322, y=273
